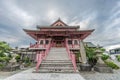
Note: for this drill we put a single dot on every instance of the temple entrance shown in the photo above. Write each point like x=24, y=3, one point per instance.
x=58, y=41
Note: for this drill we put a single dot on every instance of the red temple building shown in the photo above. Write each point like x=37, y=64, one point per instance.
x=58, y=36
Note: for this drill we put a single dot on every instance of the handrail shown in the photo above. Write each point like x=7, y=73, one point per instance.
x=72, y=57
x=42, y=55
x=40, y=58
x=47, y=50
x=73, y=61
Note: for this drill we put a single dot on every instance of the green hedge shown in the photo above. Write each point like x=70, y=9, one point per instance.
x=105, y=57
x=118, y=58
x=112, y=65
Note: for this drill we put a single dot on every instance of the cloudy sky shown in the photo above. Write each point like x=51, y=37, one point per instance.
x=101, y=15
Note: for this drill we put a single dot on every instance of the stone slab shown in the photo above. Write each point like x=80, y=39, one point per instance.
x=85, y=67
x=103, y=69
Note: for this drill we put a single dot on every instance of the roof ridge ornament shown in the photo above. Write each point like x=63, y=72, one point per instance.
x=59, y=22
x=59, y=18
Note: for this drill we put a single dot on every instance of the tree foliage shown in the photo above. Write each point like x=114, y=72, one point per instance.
x=17, y=58
x=91, y=55
x=4, y=48
x=90, y=52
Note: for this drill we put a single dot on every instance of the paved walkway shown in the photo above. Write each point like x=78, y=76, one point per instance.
x=28, y=75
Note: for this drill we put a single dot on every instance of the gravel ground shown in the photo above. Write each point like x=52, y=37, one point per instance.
x=4, y=74
x=101, y=76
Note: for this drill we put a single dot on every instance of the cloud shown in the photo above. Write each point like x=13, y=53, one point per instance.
x=103, y=16
x=17, y=15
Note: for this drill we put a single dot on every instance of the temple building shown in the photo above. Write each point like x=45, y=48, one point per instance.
x=59, y=36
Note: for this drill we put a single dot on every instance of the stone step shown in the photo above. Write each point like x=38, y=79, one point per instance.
x=59, y=51
x=56, y=65
x=58, y=61
x=54, y=71
x=57, y=48
x=59, y=68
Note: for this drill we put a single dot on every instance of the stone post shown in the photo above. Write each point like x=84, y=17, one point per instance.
x=84, y=66
x=82, y=52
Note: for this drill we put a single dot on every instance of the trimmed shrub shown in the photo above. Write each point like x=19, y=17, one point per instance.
x=105, y=57
x=118, y=58
x=28, y=64
x=26, y=60
x=112, y=65
x=17, y=58
x=1, y=66
x=77, y=56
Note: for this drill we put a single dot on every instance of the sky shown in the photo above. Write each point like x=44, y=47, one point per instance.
x=101, y=15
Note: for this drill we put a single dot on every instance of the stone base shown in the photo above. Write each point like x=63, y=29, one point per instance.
x=85, y=67
x=103, y=69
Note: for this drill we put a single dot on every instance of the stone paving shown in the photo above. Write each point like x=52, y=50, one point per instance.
x=28, y=75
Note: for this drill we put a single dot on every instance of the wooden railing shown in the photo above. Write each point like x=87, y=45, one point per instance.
x=74, y=46
x=37, y=45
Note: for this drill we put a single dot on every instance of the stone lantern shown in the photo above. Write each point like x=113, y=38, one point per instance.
x=100, y=65
x=99, y=55
x=13, y=61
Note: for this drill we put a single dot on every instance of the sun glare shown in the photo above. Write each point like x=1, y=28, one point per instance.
x=52, y=14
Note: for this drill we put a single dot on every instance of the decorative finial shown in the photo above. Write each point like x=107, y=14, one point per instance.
x=98, y=46
x=59, y=18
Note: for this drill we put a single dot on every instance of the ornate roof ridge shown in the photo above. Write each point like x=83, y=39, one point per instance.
x=58, y=22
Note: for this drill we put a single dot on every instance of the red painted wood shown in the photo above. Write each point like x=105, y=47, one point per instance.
x=59, y=32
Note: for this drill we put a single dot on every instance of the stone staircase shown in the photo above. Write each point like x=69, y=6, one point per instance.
x=57, y=61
